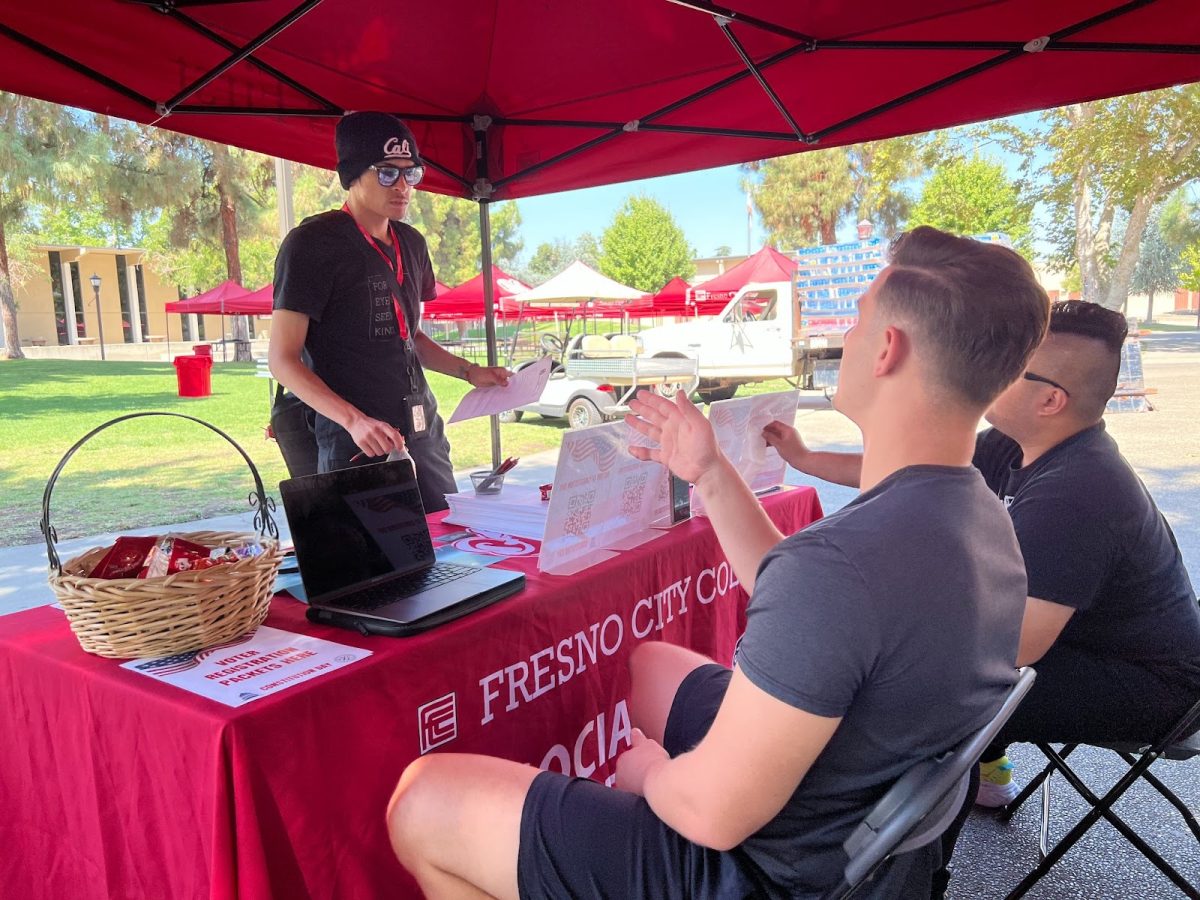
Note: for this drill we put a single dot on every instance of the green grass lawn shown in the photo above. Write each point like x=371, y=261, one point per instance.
x=1161, y=326
x=158, y=471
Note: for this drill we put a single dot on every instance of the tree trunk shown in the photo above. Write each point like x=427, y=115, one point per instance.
x=1086, y=253
x=1122, y=273
x=8, y=304
x=229, y=239
x=1149, y=306
x=829, y=231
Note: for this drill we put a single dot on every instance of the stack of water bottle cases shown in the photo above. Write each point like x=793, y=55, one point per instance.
x=830, y=279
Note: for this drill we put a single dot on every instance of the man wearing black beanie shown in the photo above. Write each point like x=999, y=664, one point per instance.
x=349, y=285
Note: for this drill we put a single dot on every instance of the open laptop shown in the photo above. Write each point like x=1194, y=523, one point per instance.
x=366, y=558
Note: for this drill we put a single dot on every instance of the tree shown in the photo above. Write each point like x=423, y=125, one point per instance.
x=723, y=250
x=1189, y=276
x=883, y=169
x=451, y=228
x=551, y=258
x=801, y=198
x=36, y=141
x=644, y=247
x=1179, y=218
x=315, y=191
x=973, y=196
x=1158, y=266
x=1120, y=155
x=223, y=202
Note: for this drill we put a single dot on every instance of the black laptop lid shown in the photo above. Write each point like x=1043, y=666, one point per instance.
x=356, y=527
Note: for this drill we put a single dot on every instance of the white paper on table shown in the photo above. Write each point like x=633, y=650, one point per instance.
x=523, y=388
x=249, y=667
x=738, y=426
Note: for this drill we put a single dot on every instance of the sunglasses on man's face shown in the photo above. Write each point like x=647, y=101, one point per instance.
x=389, y=175
x=1029, y=376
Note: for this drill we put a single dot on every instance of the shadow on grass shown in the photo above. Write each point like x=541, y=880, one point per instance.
x=71, y=406
x=152, y=491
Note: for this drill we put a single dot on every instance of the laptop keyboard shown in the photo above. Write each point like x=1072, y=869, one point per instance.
x=398, y=588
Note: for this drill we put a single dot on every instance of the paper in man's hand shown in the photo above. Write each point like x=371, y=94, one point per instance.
x=523, y=387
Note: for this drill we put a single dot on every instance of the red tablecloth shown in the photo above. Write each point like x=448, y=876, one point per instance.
x=113, y=785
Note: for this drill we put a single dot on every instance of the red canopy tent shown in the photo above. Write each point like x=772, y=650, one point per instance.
x=258, y=303
x=466, y=301
x=218, y=301
x=639, y=88
x=768, y=264
x=671, y=300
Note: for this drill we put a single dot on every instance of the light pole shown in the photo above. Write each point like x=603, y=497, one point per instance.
x=95, y=280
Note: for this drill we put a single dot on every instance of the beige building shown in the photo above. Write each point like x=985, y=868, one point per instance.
x=131, y=303
x=709, y=267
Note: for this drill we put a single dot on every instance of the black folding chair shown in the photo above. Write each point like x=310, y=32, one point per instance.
x=923, y=802
x=1175, y=745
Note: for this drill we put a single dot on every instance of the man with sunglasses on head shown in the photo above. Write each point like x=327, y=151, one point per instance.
x=346, y=334
x=1111, y=623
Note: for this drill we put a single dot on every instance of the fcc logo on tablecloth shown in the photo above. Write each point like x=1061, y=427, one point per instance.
x=437, y=721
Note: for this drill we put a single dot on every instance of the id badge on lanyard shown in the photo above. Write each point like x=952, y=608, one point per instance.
x=383, y=292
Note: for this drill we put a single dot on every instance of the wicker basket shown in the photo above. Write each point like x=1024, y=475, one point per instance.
x=135, y=617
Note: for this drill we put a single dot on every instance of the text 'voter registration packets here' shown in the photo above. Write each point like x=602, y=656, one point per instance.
x=250, y=667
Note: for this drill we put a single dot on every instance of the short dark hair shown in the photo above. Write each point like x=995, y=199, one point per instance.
x=1090, y=320
x=1106, y=327
x=976, y=309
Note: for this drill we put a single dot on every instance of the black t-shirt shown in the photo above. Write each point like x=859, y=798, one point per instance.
x=1094, y=540
x=327, y=270
x=900, y=614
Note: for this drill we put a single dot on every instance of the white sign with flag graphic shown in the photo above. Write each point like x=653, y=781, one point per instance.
x=604, y=500
x=249, y=667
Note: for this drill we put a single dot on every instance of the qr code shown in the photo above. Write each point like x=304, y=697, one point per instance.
x=632, y=493
x=579, y=513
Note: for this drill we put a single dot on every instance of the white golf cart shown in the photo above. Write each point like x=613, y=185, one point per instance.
x=597, y=377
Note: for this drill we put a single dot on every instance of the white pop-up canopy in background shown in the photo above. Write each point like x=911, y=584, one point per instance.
x=576, y=282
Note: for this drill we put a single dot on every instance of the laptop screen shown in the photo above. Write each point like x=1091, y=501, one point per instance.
x=356, y=526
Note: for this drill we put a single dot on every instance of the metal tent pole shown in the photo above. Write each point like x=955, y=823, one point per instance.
x=483, y=192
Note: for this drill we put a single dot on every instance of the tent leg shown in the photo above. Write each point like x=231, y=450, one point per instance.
x=489, y=312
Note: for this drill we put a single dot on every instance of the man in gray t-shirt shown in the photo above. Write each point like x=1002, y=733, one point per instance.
x=877, y=637
x=898, y=615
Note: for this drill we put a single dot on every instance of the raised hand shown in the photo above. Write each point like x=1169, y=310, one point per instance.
x=686, y=443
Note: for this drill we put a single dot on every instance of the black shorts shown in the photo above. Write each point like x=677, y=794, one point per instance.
x=580, y=839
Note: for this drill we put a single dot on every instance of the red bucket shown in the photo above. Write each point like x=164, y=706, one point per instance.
x=194, y=374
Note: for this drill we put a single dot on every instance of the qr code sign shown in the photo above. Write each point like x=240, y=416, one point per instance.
x=437, y=722
x=579, y=513
x=632, y=494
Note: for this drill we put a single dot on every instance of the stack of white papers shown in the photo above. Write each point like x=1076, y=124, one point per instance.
x=516, y=510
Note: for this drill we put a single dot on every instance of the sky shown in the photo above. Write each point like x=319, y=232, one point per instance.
x=709, y=206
